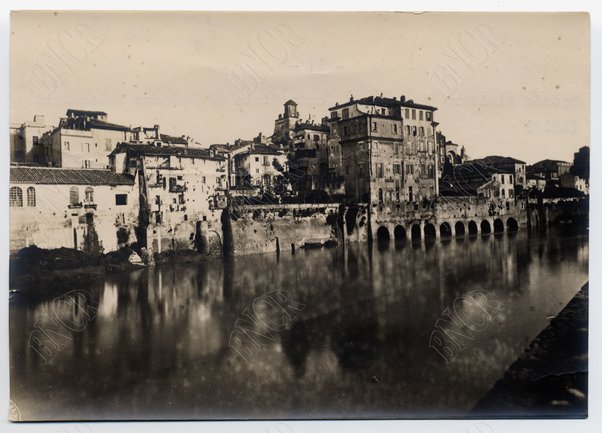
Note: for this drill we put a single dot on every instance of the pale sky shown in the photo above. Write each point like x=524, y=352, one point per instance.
x=521, y=83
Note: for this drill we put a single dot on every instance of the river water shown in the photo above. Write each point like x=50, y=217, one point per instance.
x=162, y=343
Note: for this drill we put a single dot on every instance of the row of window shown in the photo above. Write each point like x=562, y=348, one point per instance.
x=409, y=130
x=15, y=196
x=409, y=169
x=397, y=170
x=85, y=147
x=411, y=196
x=421, y=114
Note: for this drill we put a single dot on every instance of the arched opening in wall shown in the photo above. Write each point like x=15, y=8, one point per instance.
x=350, y=217
x=400, y=234
x=460, y=229
x=445, y=230
x=473, y=229
x=485, y=227
x=512, y=225
x=382, y=236
x=416, y=233
x=430, y=232
x=498, y=226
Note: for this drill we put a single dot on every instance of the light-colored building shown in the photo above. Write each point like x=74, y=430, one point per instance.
x=180, y=189
x=91, y=210
x=388, y=149
x=260, y=166
x=509, y=165
x=25, y=141
x=284, y=125
x=83, y=139
x=551, y=169
x=310, y=155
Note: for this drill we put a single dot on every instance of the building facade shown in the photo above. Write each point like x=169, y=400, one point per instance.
x=260, y=166
x=387, y=149
x=83, y=139
x=182, y=194
x=95, y=211
x=25, y=141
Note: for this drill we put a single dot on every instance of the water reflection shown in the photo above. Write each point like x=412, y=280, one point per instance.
x=158, y=347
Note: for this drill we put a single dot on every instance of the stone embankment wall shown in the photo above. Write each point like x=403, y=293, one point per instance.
x=273, y=228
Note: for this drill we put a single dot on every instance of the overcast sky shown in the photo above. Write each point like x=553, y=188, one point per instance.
x=505, y=84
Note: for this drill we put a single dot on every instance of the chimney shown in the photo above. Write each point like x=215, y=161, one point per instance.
x=39, y=118
x=157, y=135
x=402, y=98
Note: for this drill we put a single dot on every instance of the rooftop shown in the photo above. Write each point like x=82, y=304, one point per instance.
x=495, y=159
x=67, y=176
x=182, y=152
x=172, y=139
x=261, y=149
x=385, y=102
x=77, y=112
x=311, y=127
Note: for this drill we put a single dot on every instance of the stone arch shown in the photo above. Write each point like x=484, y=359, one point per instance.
x=485, y=227
x=399, y=233
x=445, y=230
x=512, y=224
x=498, y=226
x=460, y=229
x=382, y=235
x=416, y=235
x=429, y=231
x=473, y=229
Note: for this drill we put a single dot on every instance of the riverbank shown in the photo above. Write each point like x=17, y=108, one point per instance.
x=550, y=378
x=32, y=266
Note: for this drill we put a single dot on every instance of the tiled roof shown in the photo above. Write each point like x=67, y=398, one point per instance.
x=67, y=176
x=312, y=127
x=262, y=149
x=495, y=159
x=384, y=102
x=99, y=124
x=182, y=152
x=85, y=112
x=172, y=139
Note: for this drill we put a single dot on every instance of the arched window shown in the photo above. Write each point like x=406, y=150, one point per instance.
x=31, y=196
x=89, y=195
x=74, y=195
x=16, y=197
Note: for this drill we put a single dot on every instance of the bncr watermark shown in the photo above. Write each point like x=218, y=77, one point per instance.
x=264, y=52
x=274, y=311
x=459, y=59
x=58, y=58
x=49, y=338
x=469, y=314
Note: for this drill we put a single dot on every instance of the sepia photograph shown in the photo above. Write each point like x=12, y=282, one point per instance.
x=298, y=216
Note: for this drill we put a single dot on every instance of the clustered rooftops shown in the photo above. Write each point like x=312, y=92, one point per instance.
x=385, y=102
x=154, y=150
x=495, y=159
